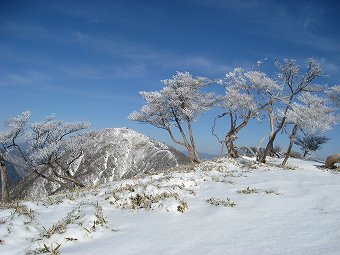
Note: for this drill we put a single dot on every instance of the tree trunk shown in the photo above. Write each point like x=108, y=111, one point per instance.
x=269, y=147
x=229, y=142
x=191, y=153
x=305, y=153
x=193, y=145
x=231, y=136
x=272, y=134
x=291, y=142
x=4, y=181
x=271, y=121
x=259, y=150
x=274, y=131
x=185, y=142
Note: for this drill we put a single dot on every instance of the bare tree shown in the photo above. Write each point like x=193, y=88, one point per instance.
x=177, y=104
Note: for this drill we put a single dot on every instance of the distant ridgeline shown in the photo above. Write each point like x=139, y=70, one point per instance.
x=203, y=155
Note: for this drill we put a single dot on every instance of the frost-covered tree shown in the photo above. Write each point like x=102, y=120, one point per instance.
x=53, y=146
x=176, y=105
x=295, y=81
x=310, y=143
x=8, y=142
x=311, y=115
x=243, y=101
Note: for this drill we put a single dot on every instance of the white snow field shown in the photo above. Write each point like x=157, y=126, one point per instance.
x=216, y=207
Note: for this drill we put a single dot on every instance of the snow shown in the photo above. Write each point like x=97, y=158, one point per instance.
x=293, y=210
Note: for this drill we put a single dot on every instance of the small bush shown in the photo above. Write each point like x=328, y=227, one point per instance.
x=218, y=179
x=248, y=190
x=59, y=228
x=271, y=191
x=289, y=167
x=99, y=215
x=21, y=210
x=146, y=200
x=71, y=239
x=219, y=202
x=251, y=165
x=182, y=206
x=51, y=250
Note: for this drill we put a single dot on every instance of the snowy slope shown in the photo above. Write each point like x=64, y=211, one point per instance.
x=115, y=153
x=216, y=207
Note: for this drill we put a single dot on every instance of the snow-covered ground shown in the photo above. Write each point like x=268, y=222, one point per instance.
x=217, y=207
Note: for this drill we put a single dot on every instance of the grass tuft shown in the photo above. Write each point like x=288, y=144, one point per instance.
x=218, y=202
x=248, y=190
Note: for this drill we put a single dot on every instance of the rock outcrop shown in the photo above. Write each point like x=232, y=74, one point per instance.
x=331, y=160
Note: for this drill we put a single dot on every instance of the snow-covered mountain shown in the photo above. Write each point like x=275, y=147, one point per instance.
x=115, y=153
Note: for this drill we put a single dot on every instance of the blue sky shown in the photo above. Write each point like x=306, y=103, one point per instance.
x=87, y=60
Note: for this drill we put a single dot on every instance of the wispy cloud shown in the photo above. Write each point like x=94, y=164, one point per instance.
x=140, y=56
x=200, y=64
x=101, y=72
x=88, y=93
x=30, y=77
x=40, y=84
